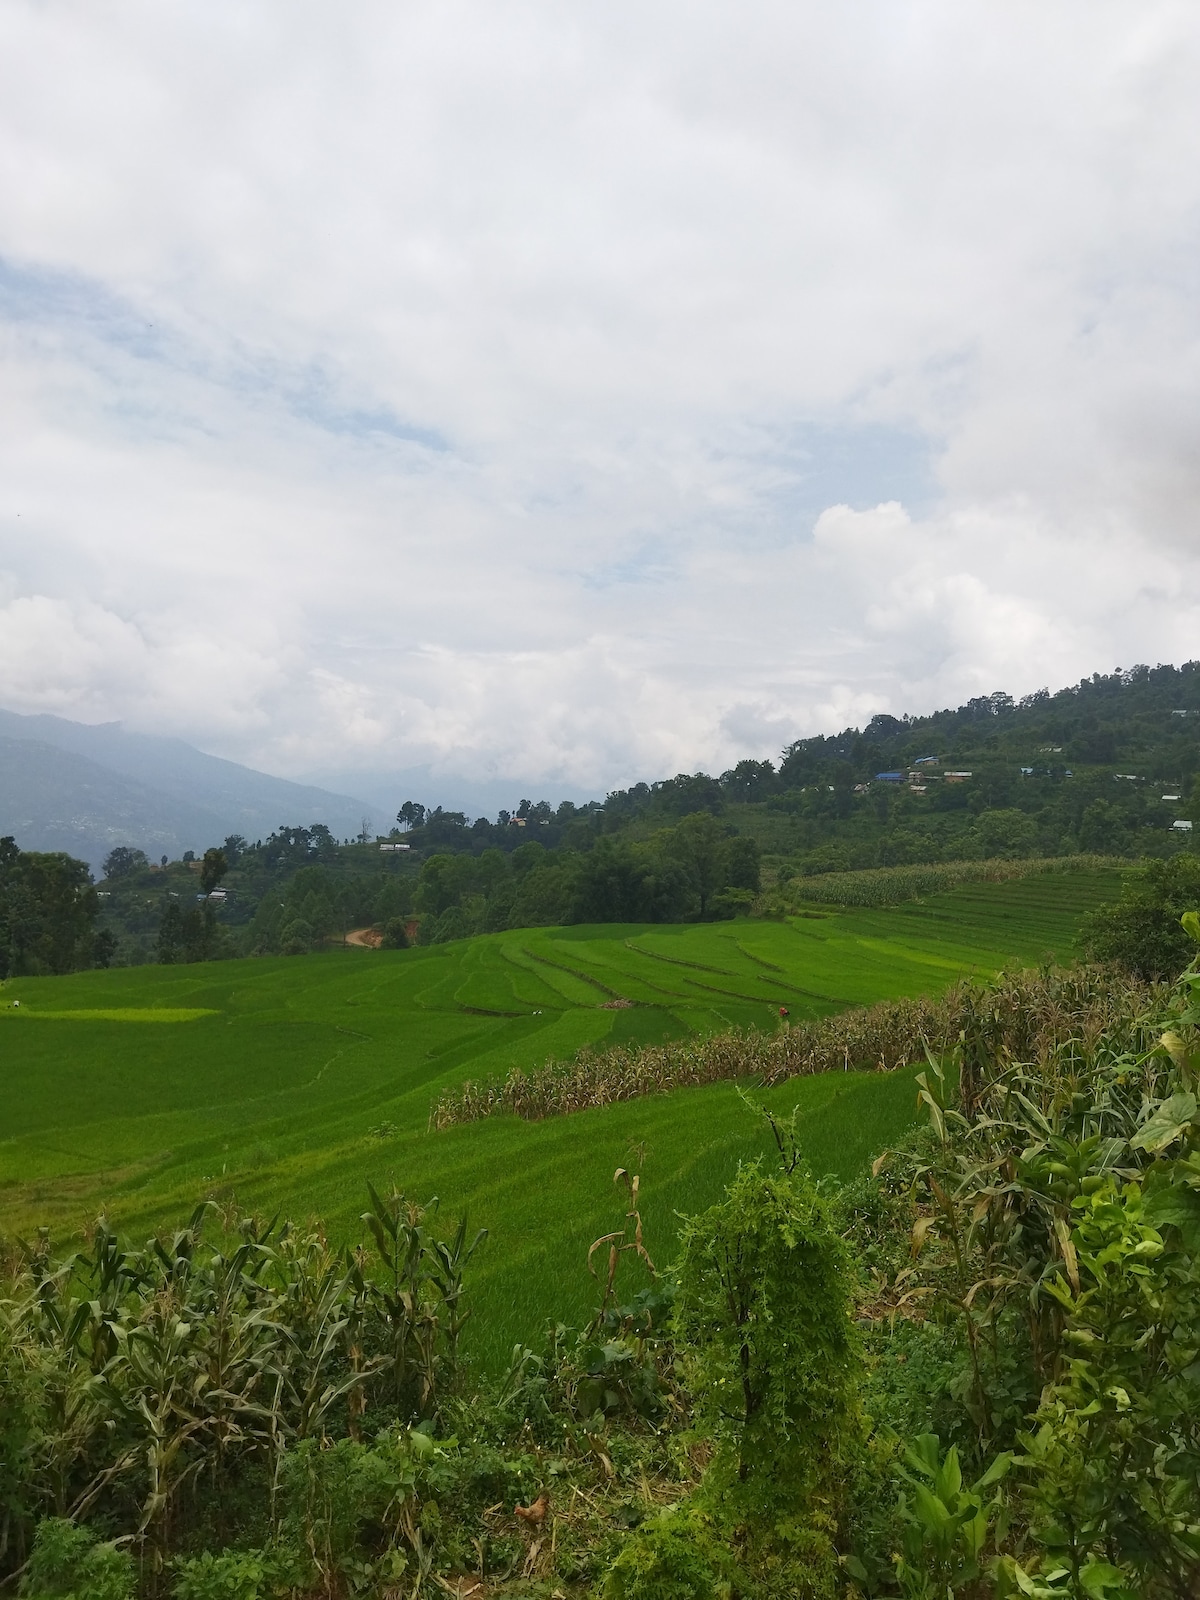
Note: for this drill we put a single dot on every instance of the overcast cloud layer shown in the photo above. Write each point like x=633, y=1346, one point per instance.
x=583, y=393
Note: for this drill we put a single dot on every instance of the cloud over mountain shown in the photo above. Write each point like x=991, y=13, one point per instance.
x=583, y=395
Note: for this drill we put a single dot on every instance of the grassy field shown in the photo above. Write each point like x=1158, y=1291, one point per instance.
x=289, y=1082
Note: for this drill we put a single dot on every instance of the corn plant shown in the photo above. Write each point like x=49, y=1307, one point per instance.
x=889, y=886
x=1064, y=1200
x=134, y=1377
x=1025, y=1016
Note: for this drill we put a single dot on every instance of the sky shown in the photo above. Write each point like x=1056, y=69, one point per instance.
x=580, y=394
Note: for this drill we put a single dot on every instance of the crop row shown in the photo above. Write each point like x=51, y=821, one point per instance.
x=1024, y=1015
x=887, y=886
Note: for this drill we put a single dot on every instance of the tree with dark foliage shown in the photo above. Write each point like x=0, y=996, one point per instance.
x=212, y=869
x=1141, y=931
x=123, y=861
x=47, y=910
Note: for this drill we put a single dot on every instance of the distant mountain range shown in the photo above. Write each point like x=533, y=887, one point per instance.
x=85, y=788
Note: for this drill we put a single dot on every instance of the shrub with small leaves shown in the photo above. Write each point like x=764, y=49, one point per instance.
x=238, y=1575
x=771, y=1358
x=676, y=1556
x=70, y=1563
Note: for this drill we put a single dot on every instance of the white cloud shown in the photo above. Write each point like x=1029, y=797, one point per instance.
x=585, y=395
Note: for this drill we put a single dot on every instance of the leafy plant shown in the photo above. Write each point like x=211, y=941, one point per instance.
x=237, y=1575
x=946, y=1524
x=1142, y=931
x=771, y=1361
x=1066, y=1208
x=676, y=1556
x=70, y=1563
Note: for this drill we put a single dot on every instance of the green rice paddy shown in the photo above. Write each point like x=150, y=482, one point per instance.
x=288, y=1083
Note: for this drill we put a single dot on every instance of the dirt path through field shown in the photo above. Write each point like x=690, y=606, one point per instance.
x=365, y=938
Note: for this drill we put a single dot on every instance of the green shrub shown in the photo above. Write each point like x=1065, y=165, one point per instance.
x=771, y=1358
x=69, y=1563
x=947, y=1524
x=1061, y=1231
x=296, y=938
x=238, y=1575
x=676, y=1556
x=1142, y=931
x=1113, y=1459
x=914, y=1369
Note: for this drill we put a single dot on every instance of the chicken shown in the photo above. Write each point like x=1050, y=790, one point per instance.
x=535, y=1514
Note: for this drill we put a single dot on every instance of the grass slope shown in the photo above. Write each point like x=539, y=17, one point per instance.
x=288, y=1083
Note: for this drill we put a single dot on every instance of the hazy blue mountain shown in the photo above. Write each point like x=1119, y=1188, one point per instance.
x=53, y=800
x=83, y=788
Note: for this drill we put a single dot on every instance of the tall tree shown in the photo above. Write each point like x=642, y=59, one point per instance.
x=47, y=911
x=698, y=844
x=212, y=869
x=123, y=861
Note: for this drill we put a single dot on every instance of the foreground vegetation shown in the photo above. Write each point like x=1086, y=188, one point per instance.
x=971, y=1370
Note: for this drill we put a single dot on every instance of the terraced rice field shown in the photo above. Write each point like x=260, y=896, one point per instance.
x=287, y=1083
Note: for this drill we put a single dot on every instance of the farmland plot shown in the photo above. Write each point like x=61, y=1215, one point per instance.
x=287, y=1083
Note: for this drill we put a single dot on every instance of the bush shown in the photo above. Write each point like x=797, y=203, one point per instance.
x=22, y=1421
x=395, y=934
x=675, y=1556
x=1142, y=932
x=296, y=938
x=772, y=1362
x=237, y=1575
x=68, y=1563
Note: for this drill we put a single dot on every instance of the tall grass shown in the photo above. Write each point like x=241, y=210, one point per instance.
x=1023, y=1014
x=888, y=886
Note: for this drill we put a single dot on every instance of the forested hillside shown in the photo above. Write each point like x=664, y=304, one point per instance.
x=1107, y=767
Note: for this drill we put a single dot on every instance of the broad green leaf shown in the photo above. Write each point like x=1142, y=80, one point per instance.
x=1166, y=1125
x=1178, y=1205
x=949, y=1479
x=929, y=1508
x=996, y=1471
x=1100, y=1580
x=924, y=1453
